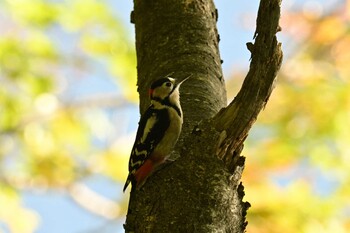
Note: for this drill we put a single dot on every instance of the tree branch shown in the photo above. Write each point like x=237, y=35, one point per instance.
x=235, y=121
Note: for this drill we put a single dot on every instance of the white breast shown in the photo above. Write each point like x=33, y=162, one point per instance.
x=167, y=144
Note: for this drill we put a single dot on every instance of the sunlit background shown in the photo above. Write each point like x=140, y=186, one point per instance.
x=68, y=115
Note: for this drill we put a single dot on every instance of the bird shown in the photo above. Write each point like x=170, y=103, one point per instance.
x=158, y=131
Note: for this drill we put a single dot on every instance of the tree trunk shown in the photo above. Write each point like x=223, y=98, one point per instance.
x=201, y=190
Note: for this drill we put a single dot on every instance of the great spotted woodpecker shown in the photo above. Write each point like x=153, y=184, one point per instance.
x=159, y=129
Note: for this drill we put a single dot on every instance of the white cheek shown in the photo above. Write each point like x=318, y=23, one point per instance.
x=162, y=92
x=175, y=96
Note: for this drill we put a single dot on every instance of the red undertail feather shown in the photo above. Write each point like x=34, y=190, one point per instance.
x=141, y=175
x=143, y=172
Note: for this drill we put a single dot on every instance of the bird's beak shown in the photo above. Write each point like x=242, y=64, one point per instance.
x=183, y=80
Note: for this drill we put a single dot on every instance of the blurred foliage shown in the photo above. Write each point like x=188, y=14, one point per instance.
x=18, y=218
x=298, y=158
x=47, y=138
x=296, y=178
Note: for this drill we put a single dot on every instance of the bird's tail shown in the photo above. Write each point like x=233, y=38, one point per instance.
x=127, y=182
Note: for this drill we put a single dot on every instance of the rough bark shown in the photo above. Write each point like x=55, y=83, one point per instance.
x=201, y=190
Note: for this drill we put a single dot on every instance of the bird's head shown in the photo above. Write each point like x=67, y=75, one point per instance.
x=165, y=88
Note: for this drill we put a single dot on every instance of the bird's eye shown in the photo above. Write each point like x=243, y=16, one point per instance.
x=168, y=84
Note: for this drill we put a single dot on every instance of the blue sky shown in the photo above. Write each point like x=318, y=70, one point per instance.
x=58, y=211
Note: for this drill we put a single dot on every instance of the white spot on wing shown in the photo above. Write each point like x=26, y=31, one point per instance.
x=148, y=127
x=143, y=152
x=136, y=163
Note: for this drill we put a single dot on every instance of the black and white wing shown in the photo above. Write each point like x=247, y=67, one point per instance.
x=152, y=127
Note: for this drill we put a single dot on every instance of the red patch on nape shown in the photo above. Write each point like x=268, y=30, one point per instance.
x=143, y=172
x=150, y=92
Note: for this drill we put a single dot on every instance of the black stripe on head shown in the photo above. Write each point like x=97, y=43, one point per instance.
x=159, y=82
